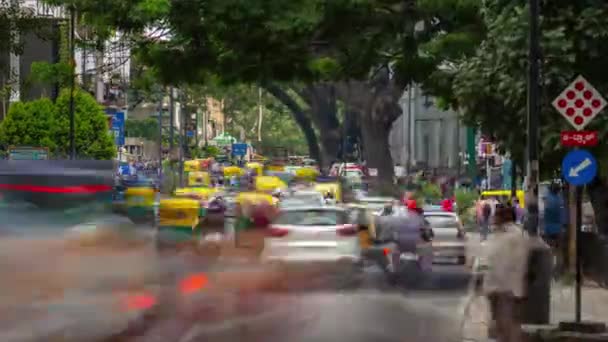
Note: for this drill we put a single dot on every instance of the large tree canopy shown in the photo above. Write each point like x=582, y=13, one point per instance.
x=376, y=47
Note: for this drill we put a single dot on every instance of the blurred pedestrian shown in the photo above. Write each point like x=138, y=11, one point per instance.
x=485, y=219
x=504, y=282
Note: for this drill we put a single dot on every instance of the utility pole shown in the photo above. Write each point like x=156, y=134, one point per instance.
x=183, y=138
x=533, y=116
x=160, y=134
x=72, y=80
x=407, y=131
x=537, y=307
x=171, y=117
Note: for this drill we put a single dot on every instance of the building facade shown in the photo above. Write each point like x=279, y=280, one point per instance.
x=39, y=45
x=427, y=137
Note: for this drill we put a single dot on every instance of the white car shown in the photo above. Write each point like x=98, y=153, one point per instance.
x=450, y=240
x=318, y=237
x=302, y=198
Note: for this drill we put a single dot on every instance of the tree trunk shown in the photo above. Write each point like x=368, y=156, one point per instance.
x=377, y=153
x=321, y=99
x=331, y=141
x=300, y=117
x=598, y=193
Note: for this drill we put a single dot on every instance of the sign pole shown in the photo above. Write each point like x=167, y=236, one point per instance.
x=579, y=195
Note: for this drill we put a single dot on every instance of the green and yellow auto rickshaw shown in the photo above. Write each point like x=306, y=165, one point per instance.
x=178, y=224
x=140, y=204
x=199, y=194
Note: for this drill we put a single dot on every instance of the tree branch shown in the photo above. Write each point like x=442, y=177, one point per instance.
x=299, y=116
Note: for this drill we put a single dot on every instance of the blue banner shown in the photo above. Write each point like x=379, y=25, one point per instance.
x=118, y=128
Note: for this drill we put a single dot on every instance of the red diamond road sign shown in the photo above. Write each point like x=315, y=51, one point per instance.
x=579, y=103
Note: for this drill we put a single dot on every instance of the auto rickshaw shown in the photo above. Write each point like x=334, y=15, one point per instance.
x=257, y=167
x=200, y=194
x=246, y=202
x=231, y=171
x=269, y=183
x=140, y=204
x=191, y=165
x=332, y=188
x=306, y=173
x=275, y=168
x=198, y=178
x=505, y=195
x=178, y=223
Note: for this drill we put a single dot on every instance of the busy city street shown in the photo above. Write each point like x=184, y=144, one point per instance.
x=315, y=170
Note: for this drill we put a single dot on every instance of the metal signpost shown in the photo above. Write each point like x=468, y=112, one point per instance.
x=579, y=103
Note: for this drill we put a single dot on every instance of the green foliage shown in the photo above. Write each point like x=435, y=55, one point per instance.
x=490, y=87
x=92, y=136
x=51, y=73
x=210, y=151
x=146, y=128
x=428, y=193
x=42, y=123
x=29, y=124
x=465, y=199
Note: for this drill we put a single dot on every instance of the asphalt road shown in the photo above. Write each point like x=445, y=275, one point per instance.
x=376, y=311
x=432, y=311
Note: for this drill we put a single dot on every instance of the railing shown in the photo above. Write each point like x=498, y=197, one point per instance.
x=40, y=9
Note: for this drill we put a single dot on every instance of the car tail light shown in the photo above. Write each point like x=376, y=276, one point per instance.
x=277, y=231
x=347, y=230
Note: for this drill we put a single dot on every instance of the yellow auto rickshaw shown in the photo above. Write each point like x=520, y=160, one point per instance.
x=191, y=165
x=269, y=183
x=198, y=178
x=333, y=188
x=306, y=173
x=245, y=201
x=140, y=204
x=200, y=194
x=275, y=168
x=231, y=171
x=504, y=196
x=257, y=167
x=178, y=221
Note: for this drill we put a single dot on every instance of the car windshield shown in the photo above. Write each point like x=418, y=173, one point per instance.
x=442, y=221
x=315, y=217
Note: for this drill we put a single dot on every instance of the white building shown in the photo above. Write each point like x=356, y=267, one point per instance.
x=435, y=137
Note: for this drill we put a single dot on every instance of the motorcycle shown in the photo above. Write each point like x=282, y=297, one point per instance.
x=409, y=266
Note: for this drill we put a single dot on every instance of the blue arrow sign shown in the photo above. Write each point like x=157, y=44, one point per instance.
x=579, y=167
x=239, y=149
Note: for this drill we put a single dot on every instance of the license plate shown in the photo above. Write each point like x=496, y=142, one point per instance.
x=409, y=256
